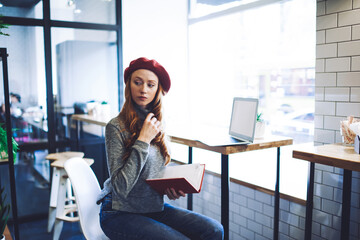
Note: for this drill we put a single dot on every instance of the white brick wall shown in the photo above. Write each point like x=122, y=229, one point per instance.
x=337, y=96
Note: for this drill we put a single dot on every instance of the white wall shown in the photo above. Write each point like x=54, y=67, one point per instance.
x=158, y=30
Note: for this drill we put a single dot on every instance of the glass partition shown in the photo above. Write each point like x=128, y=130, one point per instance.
x=26, y=82
x=22, y=8
x=90, y=11
x=85, y=70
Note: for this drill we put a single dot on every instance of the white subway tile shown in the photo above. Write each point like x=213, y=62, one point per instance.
x=320, y=65
x=355, y=32
x=338, y=34
x=338, y=137
x=356, y=4
x=355, y=64
x=349, y=48
x=319, y=121
x=326, y=22
x=337, y=94
x=319, y=93
x=349, y=79
x=320, y=37
x=326, y=50
x=325, y=79
x=320, y=8
x=347, y=109
x=355, y=94
x=337, y=65
x=324, y=136
x=325, y=108
x=349, y=17
x=332, y=123
x=334, y=6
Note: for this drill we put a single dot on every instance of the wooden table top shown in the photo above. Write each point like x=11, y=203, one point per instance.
x=269, y=141
x=337, y=155
x=97, y=120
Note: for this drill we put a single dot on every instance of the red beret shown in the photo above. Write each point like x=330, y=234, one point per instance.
x=152, y=65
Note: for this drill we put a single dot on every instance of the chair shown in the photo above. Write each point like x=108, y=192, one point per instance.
x=86, y=188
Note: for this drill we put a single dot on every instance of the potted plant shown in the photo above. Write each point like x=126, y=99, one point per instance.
x=4, y=146
x=4, y=212
x=4, y=208
x=260, y=126
x=2, y=26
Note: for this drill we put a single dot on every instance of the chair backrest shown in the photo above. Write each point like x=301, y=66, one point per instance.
x=86, y=188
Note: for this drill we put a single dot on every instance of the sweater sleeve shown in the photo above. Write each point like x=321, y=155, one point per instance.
x=123, y=174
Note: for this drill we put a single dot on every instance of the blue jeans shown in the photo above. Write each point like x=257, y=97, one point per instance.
x=170, y=224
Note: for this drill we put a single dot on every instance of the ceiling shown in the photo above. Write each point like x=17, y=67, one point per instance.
x=19, y=3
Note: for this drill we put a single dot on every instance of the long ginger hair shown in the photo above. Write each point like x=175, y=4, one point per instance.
x=133, y=124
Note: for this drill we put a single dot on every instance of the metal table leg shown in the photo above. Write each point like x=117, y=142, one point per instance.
x=309, y=201
x=225, y=186
x=346, y=200
x=190, y=196
x=277, y=197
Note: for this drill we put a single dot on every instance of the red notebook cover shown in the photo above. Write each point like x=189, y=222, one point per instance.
x=179, y=183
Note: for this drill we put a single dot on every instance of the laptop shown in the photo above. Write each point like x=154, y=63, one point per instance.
x=242, y=125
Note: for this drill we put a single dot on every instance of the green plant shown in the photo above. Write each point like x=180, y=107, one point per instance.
x=4, y=211
x=3, y=26
x=259, y=117
x=4, y=146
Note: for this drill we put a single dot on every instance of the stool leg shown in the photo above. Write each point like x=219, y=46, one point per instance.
x=57, y=229
x=53, y=198
x=70, y=198
x=60, y=206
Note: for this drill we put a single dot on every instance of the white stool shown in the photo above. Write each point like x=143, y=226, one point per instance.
x=62, y=202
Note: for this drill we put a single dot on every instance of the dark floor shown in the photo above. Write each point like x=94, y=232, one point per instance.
x=33, y=194
x=36, y=230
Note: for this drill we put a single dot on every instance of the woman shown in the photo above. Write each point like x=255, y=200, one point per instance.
x=136, y=151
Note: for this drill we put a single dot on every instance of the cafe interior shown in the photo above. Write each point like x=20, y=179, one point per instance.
x=62, y=79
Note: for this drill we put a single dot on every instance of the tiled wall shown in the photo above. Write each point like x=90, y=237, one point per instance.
x=337, y=96
x=337, y=67
x=251, y=211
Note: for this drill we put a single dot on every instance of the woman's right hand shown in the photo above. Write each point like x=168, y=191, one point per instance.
x=150, y=128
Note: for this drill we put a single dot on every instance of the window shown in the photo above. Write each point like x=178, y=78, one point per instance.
x=245, y=49
x=223, y=49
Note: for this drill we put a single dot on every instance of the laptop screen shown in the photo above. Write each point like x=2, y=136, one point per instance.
x=243, y=118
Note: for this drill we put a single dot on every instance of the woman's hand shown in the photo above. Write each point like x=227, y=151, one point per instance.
x=150, y=128
x=173, y=195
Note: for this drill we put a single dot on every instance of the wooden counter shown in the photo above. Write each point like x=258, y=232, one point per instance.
x=336, y=155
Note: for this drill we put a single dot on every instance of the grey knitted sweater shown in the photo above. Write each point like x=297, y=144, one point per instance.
x=127, y=184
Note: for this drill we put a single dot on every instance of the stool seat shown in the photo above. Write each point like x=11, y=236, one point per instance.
x=60, y=163
x=63, y=155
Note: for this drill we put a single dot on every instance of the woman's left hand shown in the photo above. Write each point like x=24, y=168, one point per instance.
x=173, y=195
